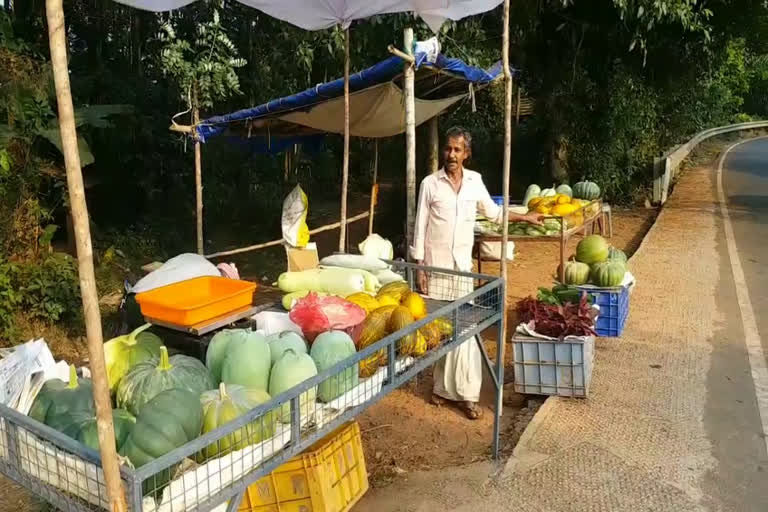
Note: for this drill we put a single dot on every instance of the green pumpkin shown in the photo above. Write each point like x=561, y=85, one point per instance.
x=124, y=352
x=171, y=419
x=220, y=406
x=576, y=273
x=81, y=426
x=615, y=254
x=592, y=249
x=145, y=380
x=588, y=190
x=608, y=274
x=57, y=398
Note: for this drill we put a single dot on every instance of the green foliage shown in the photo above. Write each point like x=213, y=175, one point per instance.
x=50, y=290
x=10, y=298
x=47, y=290
x=204, y=68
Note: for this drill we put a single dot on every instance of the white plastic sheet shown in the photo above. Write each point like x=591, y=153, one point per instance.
x=315, y=15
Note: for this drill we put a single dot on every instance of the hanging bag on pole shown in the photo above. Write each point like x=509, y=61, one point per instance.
x=294, y=221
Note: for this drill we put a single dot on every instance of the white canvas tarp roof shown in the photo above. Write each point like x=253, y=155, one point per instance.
x=320, y=14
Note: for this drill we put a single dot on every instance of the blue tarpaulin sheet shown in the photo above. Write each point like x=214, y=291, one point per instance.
x=382, y=72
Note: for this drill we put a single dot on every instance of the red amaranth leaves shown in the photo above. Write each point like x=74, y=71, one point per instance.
x=558, y=321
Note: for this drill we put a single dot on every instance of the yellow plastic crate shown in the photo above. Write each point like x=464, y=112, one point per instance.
x=328, y=477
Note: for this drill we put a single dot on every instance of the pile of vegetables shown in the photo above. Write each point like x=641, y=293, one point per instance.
x=596, y=262
x=558, y=320
x=564, y=201
x=165, y=401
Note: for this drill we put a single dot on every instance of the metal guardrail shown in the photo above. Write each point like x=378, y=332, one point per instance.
x=218, y=466
x=666, y=167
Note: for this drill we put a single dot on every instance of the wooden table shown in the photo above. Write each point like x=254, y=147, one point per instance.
x=588, y=226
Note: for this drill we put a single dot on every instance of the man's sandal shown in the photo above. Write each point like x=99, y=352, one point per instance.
x=472, y=410
x=437, y=400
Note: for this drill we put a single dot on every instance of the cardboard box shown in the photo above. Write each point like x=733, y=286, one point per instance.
x=302, y=258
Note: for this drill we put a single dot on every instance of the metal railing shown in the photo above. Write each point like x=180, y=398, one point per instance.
x=219, y=465
x=667, y=166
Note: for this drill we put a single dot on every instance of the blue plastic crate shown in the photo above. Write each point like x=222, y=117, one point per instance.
x=614, y=310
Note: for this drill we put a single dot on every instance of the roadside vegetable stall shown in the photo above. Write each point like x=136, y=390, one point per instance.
x=568, y=213
x=196, y=462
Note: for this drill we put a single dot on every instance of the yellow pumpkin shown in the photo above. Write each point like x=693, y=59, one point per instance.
x=365, y=301
x=562, y=210
x=415, y=304
x=546, y=210
x=533, y=203
x=563, y=199
x=387, y=300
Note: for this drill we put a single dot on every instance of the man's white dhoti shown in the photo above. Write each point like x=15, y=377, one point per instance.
x=459, y=375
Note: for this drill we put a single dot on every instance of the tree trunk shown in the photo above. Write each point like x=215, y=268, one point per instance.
x=58, y=45
x=433, y=162
x=410, y=139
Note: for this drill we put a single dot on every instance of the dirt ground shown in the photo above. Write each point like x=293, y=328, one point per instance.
x=405, y=433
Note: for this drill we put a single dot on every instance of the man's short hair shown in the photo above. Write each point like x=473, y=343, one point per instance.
x=458, y=131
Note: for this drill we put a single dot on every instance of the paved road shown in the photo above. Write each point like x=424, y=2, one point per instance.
x=732, y=418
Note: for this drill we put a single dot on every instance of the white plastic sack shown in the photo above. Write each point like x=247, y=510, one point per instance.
x=179, y=268
x=294, y=221
x=376, y=246
x=491, y=251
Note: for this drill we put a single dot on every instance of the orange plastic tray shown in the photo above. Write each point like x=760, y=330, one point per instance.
x=194, y=301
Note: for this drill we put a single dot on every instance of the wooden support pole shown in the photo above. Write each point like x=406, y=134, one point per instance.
x=58, y=44
x=405, y=56
x=198, y=177
x=345, y=164
x=505, y=206
x=374, y=186
x=410, y=137
x=433, y=162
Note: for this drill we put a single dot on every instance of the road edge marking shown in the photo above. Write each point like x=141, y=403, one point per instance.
x=757, y=362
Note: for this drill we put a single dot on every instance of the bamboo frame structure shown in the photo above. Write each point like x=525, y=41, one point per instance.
x=374, y=186
x=58, y=45
x=345, y=164
x=198, y=178
x=410, y=136
x=505, y=199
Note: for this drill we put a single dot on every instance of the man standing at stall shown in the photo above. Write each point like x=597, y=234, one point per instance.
x=443, y=237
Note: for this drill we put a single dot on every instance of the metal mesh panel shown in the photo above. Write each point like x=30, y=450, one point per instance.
x=206, y=472
x=46, y=463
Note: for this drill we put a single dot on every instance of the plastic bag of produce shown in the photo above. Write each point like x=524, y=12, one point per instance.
x=376, y=247
x=491, y=251
x=315, y=315
x=294, y=221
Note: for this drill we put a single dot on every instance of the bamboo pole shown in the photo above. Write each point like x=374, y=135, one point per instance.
x=374, y=186
x=434, y=145
x=198, y=176
x=345, y=164
x=58, y=44
x=410, y=137
x=505, y=206
x=274, y=243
